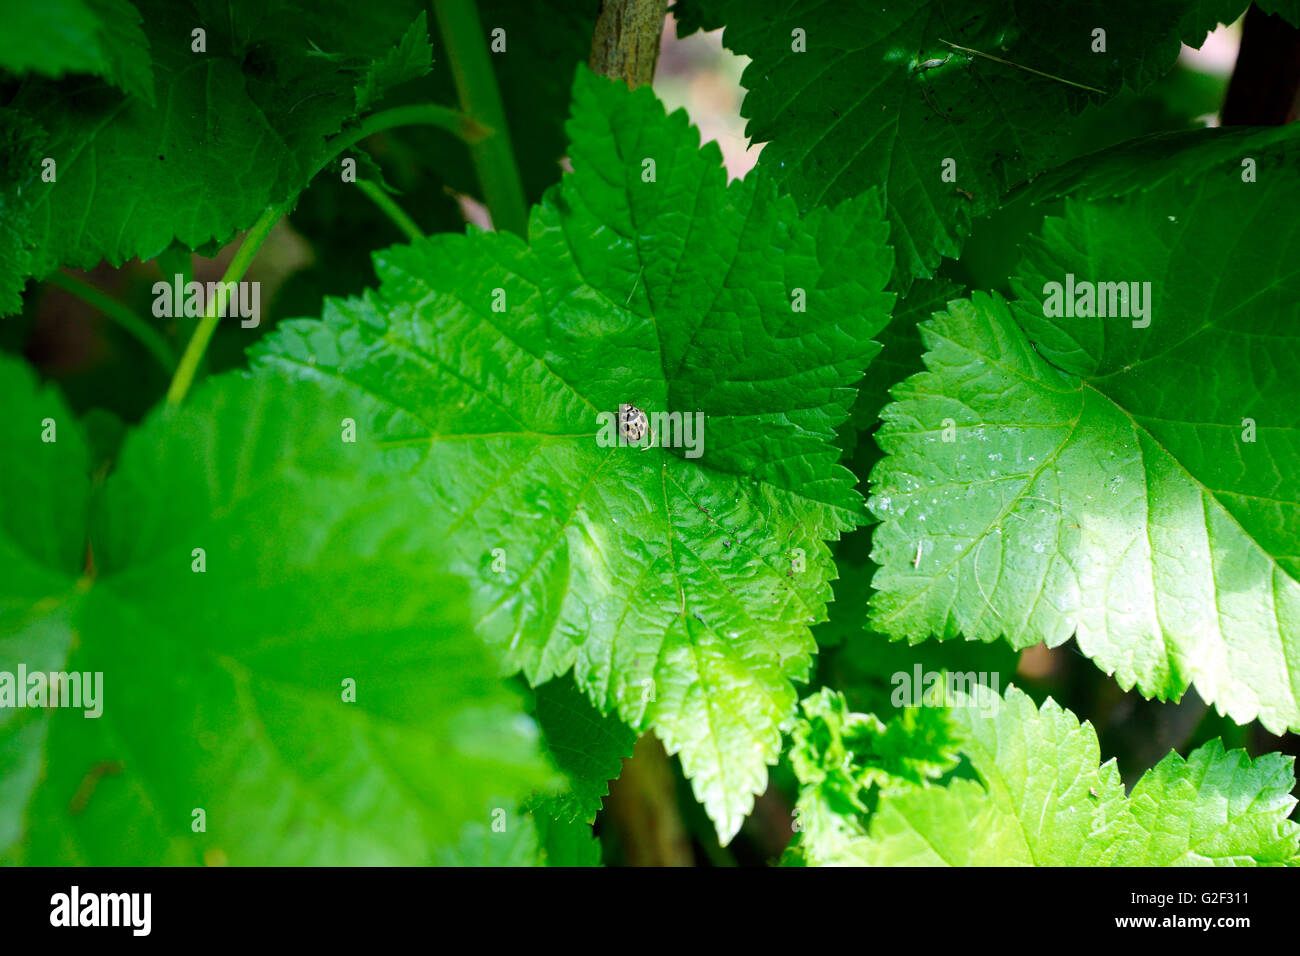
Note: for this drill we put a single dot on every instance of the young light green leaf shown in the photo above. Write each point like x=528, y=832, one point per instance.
x=847, y=95
x=1125, y=479
x=1216, y=807
x=678, y=583
x=287, y=677
x=1044, y=800
x=843, y=759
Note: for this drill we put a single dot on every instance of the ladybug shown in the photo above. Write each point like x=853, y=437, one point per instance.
x=632, y=422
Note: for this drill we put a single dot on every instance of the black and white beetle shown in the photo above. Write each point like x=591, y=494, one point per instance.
x=632, y=422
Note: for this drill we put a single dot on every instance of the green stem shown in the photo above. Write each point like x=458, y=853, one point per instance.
x=142, y=331
x=642, y=809
x=426, y=114
x=476, y=85
x=177, y=259
x=422, y=114
x=198, y=343
x=390, y=208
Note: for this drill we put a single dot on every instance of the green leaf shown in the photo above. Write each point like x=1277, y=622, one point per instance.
x=840, y=758
x=545, y=40
x=1214, y=807
x=1132, y=487
x=900, y=356
x=239, y=126
x=44, y=483
x=881, y=95
x=45, y=492
x=566, y=842
x=409, y=60
x=21, y=143
x=57, y=37
x=1289, y=9
x=877, y=674
x=1044, y=800
x=589, y=748
x=313, y=687
x=667, y=583
x=1180, y=157
x=514, y=838
x=1176, y=102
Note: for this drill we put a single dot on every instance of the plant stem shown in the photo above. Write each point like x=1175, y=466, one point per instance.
x=198, y=343
x=476, y=85
x=142, y=331
x=1265, y=85
x=421, y=114
x=625, y=45
x=642, y=809
x=390, y=208
x=177, y=259
x=426, y=114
